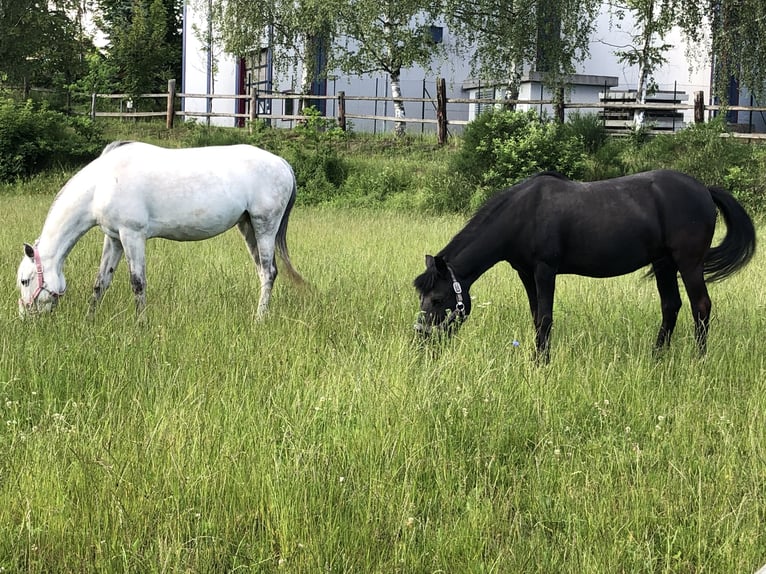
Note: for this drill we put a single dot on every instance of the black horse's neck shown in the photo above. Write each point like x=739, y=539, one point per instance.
x=475, y=249
x=468, y=257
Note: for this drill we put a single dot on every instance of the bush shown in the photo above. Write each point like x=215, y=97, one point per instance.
x=34, y=138
x=701, y=150
x=501, y=148
x=589, y=128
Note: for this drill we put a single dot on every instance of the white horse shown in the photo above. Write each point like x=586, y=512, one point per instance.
x=135, y=191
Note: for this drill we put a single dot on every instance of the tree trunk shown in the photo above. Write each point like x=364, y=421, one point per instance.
x=512, y=88
x=396, y=94
x=639, y=116
x=643, y=70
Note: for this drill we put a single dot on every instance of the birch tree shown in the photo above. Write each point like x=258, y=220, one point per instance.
x=510, y=37
x=386, y=36
x=650, y=21
x=736, y=40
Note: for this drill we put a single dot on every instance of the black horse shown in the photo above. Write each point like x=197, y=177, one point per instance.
x=548, y=225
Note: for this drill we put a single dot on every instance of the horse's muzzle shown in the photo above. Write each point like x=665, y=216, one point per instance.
x=446, y=328
x=422, y=329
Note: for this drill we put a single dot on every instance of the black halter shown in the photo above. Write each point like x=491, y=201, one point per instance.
x=458, y=313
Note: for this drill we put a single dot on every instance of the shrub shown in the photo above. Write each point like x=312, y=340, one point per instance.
x=319, y=171
x=34, y=138
x=701, y=150
x=501, y=148
x=589, y=128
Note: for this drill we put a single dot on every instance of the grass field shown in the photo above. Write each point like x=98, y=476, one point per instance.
x=324, y=440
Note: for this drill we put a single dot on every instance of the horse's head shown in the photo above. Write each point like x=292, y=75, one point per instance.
x=40, y=288
x=444, y=304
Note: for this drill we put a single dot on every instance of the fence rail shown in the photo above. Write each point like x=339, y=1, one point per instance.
x=439, y=103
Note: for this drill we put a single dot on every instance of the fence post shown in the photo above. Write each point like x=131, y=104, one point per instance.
x=342, y=110
x=699, y=107
x=171, y=111
x=441, y=111
x=93, y=107
x=253, y=106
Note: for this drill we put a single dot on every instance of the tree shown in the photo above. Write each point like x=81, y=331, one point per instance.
x=358, y=37
x=41, y=43
x=738, y=31
x=290, y=28
x=651, y=21
x=145, y=41
x=514, y=36
x=737, y=45
x=387, y=36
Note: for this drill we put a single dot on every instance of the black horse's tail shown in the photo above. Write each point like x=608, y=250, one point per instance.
x=738, y=246
x=281, y=239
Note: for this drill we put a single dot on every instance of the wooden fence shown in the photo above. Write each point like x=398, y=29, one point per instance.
x=441, y=120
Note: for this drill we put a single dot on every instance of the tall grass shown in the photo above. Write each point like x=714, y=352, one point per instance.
x=325, y=439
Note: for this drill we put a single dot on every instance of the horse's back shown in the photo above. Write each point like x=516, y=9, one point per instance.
x=610, y=227
x=189, y=193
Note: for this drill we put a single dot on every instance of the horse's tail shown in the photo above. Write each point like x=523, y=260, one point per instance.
x=738, y=246
x=281, y=239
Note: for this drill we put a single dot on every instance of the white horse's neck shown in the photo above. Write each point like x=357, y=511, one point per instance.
x=68, y=219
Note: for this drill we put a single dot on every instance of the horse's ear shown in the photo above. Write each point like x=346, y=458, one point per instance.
x=29, y=251
x=429, y=261
x=441, y=265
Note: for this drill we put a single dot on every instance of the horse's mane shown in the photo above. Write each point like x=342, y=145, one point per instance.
x=488, y=211
x=115, y=145
x=426, y=281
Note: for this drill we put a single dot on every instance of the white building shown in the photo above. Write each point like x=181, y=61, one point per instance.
x=207, y=70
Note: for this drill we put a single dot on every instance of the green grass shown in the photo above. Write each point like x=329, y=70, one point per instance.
x=324, y=439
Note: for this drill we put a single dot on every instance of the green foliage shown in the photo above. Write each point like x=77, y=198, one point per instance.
x=748, y=182
x=501, y=148
x=101, y=77
x=589, y=128
x=145, y=42
x=415, y=174
x=319, y=171
x=312, y=150
x=504, y=38
x=34, y=138
x=41, y=43
x=701, y=150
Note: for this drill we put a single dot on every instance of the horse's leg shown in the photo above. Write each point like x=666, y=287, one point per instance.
x=528, y=280
x=261, y=247
x=247, y=231
x=666, y=275
x=134, y=244
x=694, y=281
x=110, y=258
x=545, y=281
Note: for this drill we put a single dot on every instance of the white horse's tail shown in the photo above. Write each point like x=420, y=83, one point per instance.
x=281, y=239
